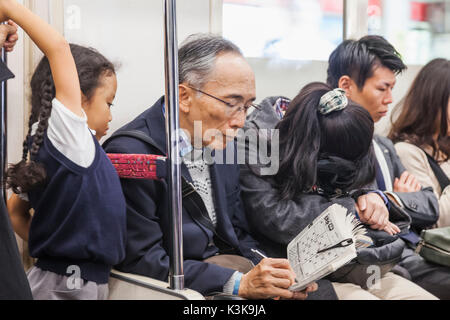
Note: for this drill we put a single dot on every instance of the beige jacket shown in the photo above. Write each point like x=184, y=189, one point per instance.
x=416, y=162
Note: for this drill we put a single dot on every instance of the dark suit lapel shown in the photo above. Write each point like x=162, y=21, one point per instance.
x=155, y=121
x=387, y=157
x=224, y=225
x=156, y=126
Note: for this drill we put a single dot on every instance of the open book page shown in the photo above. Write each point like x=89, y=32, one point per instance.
x=332, y=227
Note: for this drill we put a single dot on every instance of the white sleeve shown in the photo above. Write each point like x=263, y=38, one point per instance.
x=70, y=135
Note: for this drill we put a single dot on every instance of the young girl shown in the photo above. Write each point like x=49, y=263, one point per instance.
x=77, y=232
x=98, y=89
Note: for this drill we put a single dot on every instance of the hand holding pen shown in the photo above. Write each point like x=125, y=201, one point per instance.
x=283, y=268
x=259, y=253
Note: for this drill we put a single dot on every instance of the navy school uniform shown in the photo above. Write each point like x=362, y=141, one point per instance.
x=79, y=217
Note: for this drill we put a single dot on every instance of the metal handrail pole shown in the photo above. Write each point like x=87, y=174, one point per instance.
x=355, y=19
x=3, y=130
x=176, y=276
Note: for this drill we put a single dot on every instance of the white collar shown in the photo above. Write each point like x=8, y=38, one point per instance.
x=383, y=165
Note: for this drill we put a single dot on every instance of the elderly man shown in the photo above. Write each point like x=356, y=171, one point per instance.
x=216, y=88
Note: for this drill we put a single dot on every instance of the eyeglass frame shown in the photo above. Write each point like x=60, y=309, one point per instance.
x=243, y=108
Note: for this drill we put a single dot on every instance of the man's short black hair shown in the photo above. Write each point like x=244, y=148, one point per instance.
x=359, y=58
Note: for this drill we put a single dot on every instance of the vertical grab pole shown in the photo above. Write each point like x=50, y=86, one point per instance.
x=355, y=19
x=176, y=277
x=3, y=131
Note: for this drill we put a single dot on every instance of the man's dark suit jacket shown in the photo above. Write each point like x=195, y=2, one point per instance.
x=422, y=205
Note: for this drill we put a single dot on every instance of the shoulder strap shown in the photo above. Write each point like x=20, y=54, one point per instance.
x=191, y=199
x=194, y=204
x=444, y=181
x=132, y=134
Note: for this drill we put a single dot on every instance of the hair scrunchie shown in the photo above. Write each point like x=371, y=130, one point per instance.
x=333, y=100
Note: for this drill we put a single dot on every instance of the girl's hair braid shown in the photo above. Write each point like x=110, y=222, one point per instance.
x=27, y=175
x=47, y=90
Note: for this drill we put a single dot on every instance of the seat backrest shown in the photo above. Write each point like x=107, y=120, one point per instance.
x=138, y=166
x=126, y=286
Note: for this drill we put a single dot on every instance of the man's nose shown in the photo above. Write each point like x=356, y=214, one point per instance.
x=388, y=97
x=238, y=121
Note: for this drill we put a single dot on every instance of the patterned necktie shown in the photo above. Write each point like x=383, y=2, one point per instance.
x=379, y=177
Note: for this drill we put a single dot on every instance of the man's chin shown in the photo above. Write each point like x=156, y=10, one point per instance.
x=221, y=144
x=377, y=117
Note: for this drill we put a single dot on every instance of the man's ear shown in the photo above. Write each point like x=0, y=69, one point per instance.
x=347, y=84
x=185, y=98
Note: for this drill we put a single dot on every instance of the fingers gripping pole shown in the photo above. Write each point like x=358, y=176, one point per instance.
x=176, y=277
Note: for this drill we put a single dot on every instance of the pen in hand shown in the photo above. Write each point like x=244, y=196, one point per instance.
x=264, y=257
x=259, y=253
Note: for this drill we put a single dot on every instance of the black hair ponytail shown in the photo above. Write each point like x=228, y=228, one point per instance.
x=300, y=141
x=330, y=152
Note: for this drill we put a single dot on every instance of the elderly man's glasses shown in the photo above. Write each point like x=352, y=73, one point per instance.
x=234, y=108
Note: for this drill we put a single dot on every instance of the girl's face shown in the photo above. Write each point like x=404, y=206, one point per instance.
x=98, y=108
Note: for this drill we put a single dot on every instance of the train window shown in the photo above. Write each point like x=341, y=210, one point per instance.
x=420, y=30
x=284, y=29
x=130, y=33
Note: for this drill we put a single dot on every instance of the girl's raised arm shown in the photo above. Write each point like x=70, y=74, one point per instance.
x=55, y=48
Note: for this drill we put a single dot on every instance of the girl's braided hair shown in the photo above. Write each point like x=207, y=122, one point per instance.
x=91, y=67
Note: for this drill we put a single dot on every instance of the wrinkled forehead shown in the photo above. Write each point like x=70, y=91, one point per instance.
x=232, y=74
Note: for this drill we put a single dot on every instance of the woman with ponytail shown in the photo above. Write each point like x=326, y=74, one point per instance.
x=325, y=144
x=77, y=231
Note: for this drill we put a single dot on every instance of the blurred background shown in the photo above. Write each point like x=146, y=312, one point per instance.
x=286, y=41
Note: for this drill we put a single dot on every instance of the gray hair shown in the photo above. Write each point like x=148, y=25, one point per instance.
x=197, y=56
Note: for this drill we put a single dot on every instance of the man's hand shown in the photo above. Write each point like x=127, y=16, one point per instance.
x=302, y=295
x=391, y=228
x=406, y=183
x=8, y=35
x=271, y=278
x=372, y=211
